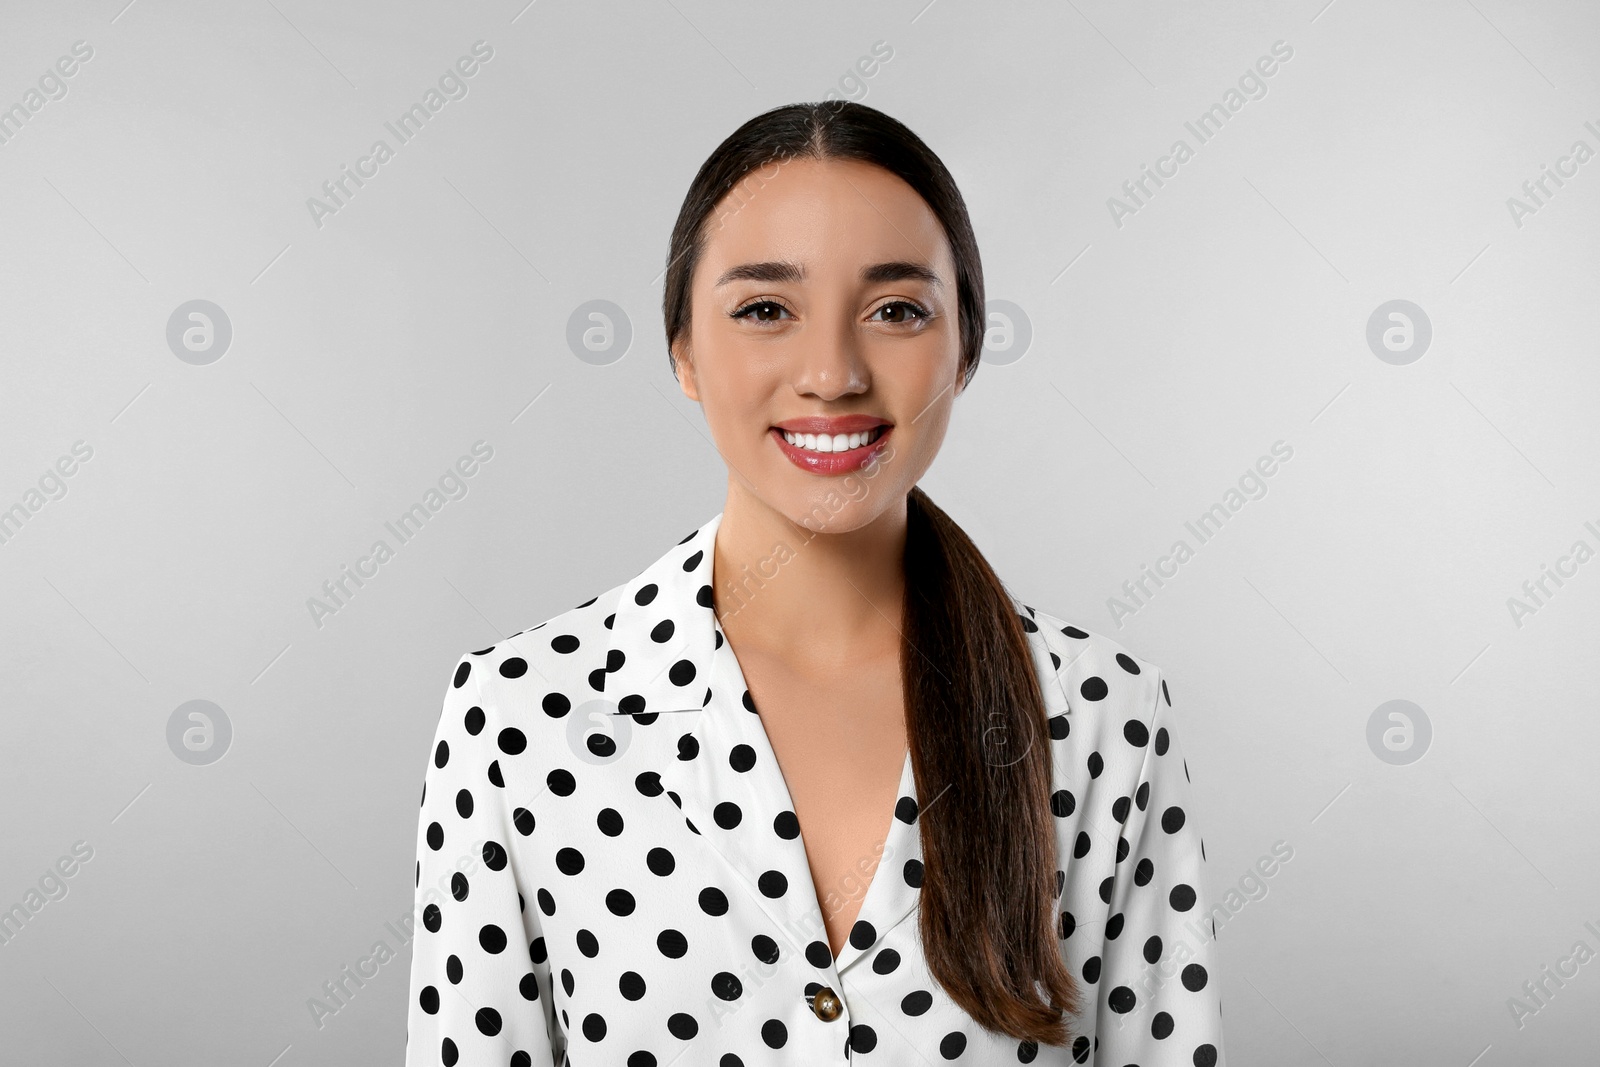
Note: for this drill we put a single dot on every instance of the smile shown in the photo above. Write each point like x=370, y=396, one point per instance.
x=832, y=454
x=839, y=442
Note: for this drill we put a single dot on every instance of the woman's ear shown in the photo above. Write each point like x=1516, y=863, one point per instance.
x=683, y=367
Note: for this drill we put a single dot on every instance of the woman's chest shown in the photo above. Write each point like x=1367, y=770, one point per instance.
x=839, y=743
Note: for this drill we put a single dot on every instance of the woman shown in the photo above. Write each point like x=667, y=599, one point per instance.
x=912, y=819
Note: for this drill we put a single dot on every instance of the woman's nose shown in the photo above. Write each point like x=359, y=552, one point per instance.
x=831, y=364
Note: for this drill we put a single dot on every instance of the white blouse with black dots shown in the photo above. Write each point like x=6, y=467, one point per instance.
x=610, y=871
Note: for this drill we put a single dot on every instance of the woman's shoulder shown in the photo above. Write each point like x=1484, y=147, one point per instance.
x=1097, y=675
x=563, y=656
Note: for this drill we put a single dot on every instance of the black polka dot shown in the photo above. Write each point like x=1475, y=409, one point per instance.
x=672, y=944
x=515, y=667
x=1093, y=688
x=1194, y=978
x=912, y=873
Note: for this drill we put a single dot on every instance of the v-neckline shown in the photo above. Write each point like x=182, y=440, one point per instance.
x=884, y=903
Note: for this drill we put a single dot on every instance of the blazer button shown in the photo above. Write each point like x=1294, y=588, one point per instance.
x=825, y=1003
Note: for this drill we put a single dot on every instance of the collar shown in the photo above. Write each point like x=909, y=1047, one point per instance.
x=669, y=662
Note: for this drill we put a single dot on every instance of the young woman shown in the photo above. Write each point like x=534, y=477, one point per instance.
x=813, y=787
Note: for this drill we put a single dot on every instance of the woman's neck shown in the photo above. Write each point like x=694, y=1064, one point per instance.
x=828, y=596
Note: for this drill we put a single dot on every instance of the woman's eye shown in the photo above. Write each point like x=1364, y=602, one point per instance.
x=765, y=311
x=902, y=311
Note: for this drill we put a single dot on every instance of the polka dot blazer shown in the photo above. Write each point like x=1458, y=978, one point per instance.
x=610, y=871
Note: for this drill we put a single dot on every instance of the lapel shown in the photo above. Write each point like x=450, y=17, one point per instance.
x=671, y=658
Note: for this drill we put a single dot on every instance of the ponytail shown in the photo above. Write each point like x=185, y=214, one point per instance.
x=974, y=719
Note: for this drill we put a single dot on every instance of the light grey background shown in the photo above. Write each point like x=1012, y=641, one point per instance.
x=1167, y=354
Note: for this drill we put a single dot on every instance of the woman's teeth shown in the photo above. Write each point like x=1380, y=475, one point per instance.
x=839, y=442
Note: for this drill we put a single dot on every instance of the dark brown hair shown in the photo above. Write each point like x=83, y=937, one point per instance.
x=975, y=716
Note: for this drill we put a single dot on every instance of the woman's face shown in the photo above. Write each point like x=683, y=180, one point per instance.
x=824, y=306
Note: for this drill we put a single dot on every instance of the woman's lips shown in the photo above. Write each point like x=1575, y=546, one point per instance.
x=833, y=463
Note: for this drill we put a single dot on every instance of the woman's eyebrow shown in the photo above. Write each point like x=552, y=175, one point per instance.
x=784, y=271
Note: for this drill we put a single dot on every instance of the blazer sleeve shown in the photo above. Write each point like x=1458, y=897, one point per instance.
x=480, y=976
x=1159, y=1000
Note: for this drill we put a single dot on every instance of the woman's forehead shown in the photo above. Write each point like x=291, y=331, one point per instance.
x=826, y=218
